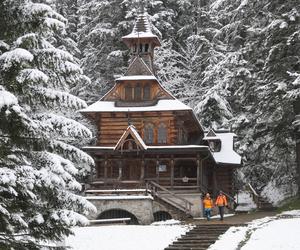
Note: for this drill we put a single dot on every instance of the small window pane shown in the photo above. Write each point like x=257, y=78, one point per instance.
x=128, y=93
x=146, y=47
x=147, y=92
x=149, y=134
x=141, y=47
x=162, y=133
x=137, y=93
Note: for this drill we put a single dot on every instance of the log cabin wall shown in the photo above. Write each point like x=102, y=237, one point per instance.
x=111, y=126
x=225, y=182
x=118, y=93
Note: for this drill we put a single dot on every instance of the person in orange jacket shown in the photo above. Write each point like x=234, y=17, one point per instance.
x=221, y=202
x=208, y=205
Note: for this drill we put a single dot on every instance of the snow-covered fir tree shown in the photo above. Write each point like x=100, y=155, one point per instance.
x=38, y=157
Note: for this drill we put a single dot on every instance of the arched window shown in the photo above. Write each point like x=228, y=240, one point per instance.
x=149, y=133
x=162, y=133
x=137, y=93
x=147, y=92
x=146, y=47
x=141, y=47
x=128, y=93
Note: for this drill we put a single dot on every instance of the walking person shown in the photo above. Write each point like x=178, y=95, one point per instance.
x=208, y=205
x=221, y=202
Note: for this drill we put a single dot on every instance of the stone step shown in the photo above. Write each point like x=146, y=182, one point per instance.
x=197, y=238
x=181, y=241
x=186, y=248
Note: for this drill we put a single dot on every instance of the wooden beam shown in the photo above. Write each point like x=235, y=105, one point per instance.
x=142, y=169
x=105, y=167
x=172, y=172
x=120, y=169
x=157, y=168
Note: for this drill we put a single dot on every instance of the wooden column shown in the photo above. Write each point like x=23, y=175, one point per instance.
x=198, y=173
x=215, y=184
x=172, y=172
x=105, y=167
x=157, y=169
x=142, y=169
x=120, y=169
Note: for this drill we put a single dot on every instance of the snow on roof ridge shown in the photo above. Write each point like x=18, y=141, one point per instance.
x=135, y=134
x=162, y=105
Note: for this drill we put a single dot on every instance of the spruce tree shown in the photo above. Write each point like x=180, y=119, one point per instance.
x=38, y=157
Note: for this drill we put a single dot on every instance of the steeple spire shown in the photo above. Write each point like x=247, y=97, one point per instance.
x=141, y=7
x=141, y=40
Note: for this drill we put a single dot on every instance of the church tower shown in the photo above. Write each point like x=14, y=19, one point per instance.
x=141, y=41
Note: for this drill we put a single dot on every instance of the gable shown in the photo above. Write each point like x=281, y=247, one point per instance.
x=211, y=133
x=138, y=67
x=130, y=140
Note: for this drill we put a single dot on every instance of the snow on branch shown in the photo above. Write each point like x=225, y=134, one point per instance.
x=7, y=99
x=32, y=75
x=14, y=57
x=40, y=9
x=72, y=153
x=52, y=123
x=32, y=40
x=63, y=99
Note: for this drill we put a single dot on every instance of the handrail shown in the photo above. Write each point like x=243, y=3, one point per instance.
x=187, y=204
x=254, y=193
x=252, y=189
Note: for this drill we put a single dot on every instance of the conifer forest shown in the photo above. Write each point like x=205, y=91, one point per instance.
x=235, y=62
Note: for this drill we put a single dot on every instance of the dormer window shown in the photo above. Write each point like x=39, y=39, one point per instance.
x=147, y=92
x=149, y=133
x=128, y=93
x=137, y=93
x=162, y=133
x=214, y=145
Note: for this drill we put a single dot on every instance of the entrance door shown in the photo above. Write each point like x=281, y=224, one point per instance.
x=132, y=170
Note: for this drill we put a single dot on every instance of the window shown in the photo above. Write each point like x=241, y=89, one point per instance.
x=128, y=93
x=162, y=133
x=146, y=47
x=147, y=92
x=215, y=145
x=149, y=133
x=182, y=136
x=137, y=93
x=141, y=47
x=134, y=48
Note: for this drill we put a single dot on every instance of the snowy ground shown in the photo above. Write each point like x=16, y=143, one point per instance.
x=274, y=233
x=125, y=237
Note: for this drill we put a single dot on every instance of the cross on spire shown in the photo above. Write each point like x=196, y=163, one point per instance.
x=141, y=4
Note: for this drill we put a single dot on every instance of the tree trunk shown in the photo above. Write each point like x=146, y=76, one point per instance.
x=297, y=137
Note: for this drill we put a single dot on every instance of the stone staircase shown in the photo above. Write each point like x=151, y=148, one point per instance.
x=200, y=237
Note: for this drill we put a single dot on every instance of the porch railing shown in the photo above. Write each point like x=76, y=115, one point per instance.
x=179, y=202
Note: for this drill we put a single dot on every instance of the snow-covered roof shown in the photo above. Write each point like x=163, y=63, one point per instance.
x=151, y=147
x=226, y=155
x=162, y=105
x=137, y=77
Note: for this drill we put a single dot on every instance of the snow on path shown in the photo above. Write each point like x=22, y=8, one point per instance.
x=277, y=235
x=274, y=233
x=124, y=237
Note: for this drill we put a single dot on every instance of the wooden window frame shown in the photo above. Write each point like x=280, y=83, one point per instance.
x=162, y=133
x=149, y=127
